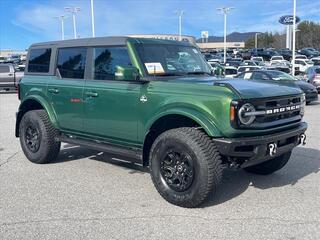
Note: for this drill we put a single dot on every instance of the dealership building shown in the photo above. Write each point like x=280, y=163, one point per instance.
x=206, y=46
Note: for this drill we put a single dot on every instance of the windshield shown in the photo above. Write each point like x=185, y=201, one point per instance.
x=278, y=75
x=171, y=60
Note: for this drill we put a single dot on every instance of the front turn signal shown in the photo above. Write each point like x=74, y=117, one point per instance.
x=232, y=113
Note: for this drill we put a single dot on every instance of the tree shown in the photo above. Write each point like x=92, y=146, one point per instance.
x=308, y=35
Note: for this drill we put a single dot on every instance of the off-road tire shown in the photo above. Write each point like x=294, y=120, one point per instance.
x=206, y=164
x=270, y=166
x=49, y=147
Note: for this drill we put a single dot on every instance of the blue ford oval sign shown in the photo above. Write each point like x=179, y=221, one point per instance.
x=288, y=20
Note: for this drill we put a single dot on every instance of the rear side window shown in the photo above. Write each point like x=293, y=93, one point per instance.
x=39, y=60
x=106, y=60
x=71, y=62
x=4, y=69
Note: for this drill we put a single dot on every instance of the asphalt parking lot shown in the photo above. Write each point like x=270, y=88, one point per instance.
x=89, y=195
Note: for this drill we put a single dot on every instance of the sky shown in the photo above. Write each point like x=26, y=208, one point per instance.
x=23, y=22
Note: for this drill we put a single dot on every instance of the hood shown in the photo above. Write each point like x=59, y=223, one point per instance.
x=246, y=88
x=305, y=86
x=259, y=89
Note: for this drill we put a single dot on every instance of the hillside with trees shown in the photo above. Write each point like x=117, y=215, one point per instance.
x=308, y=35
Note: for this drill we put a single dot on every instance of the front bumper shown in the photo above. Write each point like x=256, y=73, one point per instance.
x=312, y=95
x=250, y=151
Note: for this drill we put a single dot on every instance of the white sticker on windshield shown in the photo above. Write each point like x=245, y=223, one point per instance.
x=154, y=68
x=247, y=75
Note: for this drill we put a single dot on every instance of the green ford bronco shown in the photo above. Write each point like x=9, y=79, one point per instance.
x=155, y=103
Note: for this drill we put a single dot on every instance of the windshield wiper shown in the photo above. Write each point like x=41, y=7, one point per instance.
x=199, y=73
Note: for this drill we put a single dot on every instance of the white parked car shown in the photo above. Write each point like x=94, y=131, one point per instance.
x=300, y=56
x=303, y=65
x=276, y=58
x=257, y=59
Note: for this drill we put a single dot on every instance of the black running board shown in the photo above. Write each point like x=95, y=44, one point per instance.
x=133, y=154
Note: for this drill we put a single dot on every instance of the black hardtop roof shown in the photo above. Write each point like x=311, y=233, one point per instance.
x=105, y=41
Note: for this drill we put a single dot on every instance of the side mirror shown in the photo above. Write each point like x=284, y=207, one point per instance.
x=126, y=73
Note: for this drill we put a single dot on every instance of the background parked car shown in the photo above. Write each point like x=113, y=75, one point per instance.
x=286, y=54
x=309, y=52
x=248, y=63
x=247, y=68
x=9, y=77
x=232, y=63
x=316, y=61
x=303, y=64
x=313, y=76
x=230, y=72
x=283, y=78
x=281, y=66
x=257, y=59
x=299, y=56
x=276, y=58
x=265, y=54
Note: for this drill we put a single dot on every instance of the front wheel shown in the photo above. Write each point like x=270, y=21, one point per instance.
x=270, y=166
x=185, y=166
x=38, y=138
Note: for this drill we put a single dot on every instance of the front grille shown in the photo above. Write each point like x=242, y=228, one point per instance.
x=276, y=118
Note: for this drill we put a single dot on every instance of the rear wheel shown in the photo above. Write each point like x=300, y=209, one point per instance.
x=38, y=137
x=185, y=166
x=270, y=166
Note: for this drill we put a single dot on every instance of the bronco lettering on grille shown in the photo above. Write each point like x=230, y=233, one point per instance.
x=282, y=109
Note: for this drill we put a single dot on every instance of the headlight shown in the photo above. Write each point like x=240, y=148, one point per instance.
x=244, y=114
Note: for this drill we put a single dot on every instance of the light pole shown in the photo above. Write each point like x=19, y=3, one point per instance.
x=62, y=18
x=225, y=11
x=74, y=11
x=294, y=37
x=256, y=40
x=92, y=19
x=180, y=14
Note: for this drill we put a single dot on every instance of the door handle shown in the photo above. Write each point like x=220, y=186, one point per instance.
x=92, y=94
x=53, y=90
x=10, y=74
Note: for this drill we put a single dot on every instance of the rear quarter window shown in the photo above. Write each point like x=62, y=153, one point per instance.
x=39, y=60
x=4, y=69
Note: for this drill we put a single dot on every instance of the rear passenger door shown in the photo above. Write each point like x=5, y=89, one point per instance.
x=66, y=90
x=110, y=105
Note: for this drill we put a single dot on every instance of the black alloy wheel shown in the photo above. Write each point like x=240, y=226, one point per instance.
x=177, y=170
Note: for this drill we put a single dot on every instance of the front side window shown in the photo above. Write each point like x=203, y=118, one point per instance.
x=39, y=60
x=171, y=59
x=106, y=60
x=71, y=62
